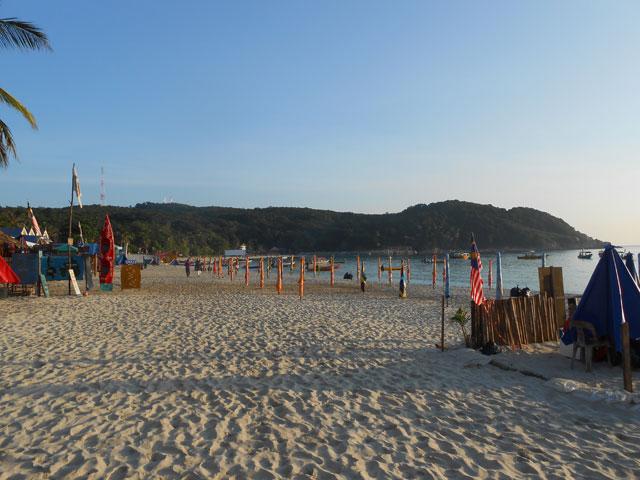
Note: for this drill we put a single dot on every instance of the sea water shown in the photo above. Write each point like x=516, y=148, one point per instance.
x=515, y=272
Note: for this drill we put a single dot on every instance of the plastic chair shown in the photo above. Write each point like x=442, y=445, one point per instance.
x=587, y=339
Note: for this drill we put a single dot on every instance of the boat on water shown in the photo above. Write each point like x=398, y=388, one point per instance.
x=325, y=268
x=322, y=265
x=622, y=253
x=393, y=269
x=531, y=256
x=459, y=255
x=430, y=260
x=585, y=254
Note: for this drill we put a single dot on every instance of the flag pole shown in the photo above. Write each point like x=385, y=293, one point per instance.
x=73, y=169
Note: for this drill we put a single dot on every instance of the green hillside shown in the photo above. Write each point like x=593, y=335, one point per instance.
x=208, y=230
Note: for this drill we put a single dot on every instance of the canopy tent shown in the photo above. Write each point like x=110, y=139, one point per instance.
x=611, y=298
x=7, y=275
x=64, y=248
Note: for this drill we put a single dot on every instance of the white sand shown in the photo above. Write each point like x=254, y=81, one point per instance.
x=199, y=379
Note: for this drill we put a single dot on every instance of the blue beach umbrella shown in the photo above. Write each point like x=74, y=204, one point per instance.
x=446, y=277
x=631, y=266
x=499, y=277
x=544, y=259
x=610, y=299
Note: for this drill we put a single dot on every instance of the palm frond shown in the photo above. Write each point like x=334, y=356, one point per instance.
x=7, y=98
x=23, y=35
x=7, y=145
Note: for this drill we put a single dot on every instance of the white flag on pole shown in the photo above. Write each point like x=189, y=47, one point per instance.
x=76, y=186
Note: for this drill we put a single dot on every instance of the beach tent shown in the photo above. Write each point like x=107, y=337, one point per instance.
x=611, y=298
x=7, y=275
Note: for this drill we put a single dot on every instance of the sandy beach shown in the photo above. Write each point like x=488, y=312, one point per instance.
x=201, y=378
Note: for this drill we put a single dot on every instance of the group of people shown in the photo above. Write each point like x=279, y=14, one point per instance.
x=198, y=266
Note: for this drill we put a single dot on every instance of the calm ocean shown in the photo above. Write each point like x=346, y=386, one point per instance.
x=576, y=272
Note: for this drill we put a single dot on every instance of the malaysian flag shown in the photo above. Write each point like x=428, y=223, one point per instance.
x=477, y=294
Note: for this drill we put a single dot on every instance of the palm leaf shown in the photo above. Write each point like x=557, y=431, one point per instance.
x=7, y=145
x=23, y=35
x=7, y=98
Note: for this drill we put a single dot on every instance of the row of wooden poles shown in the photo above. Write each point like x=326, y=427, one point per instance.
x=514, y=322
x=233, y=265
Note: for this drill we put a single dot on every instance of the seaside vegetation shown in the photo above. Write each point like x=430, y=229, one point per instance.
x=208, y=230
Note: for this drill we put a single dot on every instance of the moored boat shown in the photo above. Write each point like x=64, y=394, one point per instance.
x=585, y=254
x=531, y=256
x=393, y=269
x=459, y=255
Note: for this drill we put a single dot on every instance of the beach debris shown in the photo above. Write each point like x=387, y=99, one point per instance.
x=490, y=348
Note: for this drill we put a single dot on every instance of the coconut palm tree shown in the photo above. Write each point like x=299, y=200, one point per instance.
x=15, y=33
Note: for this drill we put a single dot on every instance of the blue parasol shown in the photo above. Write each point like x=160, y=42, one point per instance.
x=631, y=266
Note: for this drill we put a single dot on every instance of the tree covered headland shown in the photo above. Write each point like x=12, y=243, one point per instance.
x=208, y=230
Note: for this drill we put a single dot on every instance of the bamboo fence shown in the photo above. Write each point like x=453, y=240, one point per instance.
x=514, y=322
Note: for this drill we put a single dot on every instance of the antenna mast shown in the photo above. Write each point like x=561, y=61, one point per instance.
x=102, y=193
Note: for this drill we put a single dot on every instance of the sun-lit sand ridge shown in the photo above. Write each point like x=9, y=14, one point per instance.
x=198, y=379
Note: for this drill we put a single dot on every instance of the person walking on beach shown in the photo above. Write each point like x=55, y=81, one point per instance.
x=403, y=286
x=363, y=282
x=187, y=267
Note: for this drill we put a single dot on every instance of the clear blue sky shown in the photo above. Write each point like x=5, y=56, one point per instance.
x=353, y=106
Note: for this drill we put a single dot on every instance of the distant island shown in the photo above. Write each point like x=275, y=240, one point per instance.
x=208, y=230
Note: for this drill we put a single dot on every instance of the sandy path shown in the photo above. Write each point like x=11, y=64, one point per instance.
x=199, y=379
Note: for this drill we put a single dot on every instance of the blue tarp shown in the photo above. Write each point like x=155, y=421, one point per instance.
x=89, y=248
x=610, y=296
x=26, y=267
x=55, y=267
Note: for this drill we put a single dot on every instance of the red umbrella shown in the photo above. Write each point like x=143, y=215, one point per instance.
x=7, y=275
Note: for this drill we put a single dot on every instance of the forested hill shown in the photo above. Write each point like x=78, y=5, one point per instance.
x=208, y=230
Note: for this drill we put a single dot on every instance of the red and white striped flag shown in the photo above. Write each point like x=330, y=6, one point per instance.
x=477, y=295
x=34, y=222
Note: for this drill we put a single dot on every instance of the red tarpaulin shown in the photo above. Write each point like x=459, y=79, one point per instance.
x=107, y=253
x=7, y=275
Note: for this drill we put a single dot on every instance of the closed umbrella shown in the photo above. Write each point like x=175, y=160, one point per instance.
x=446, y=276
x=490, y=275
x=499, y=277
x=301, y=280
x=631, y=266
x=261, y=272
x=434, y=273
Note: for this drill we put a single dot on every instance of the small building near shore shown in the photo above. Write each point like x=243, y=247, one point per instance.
x=240, y=252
